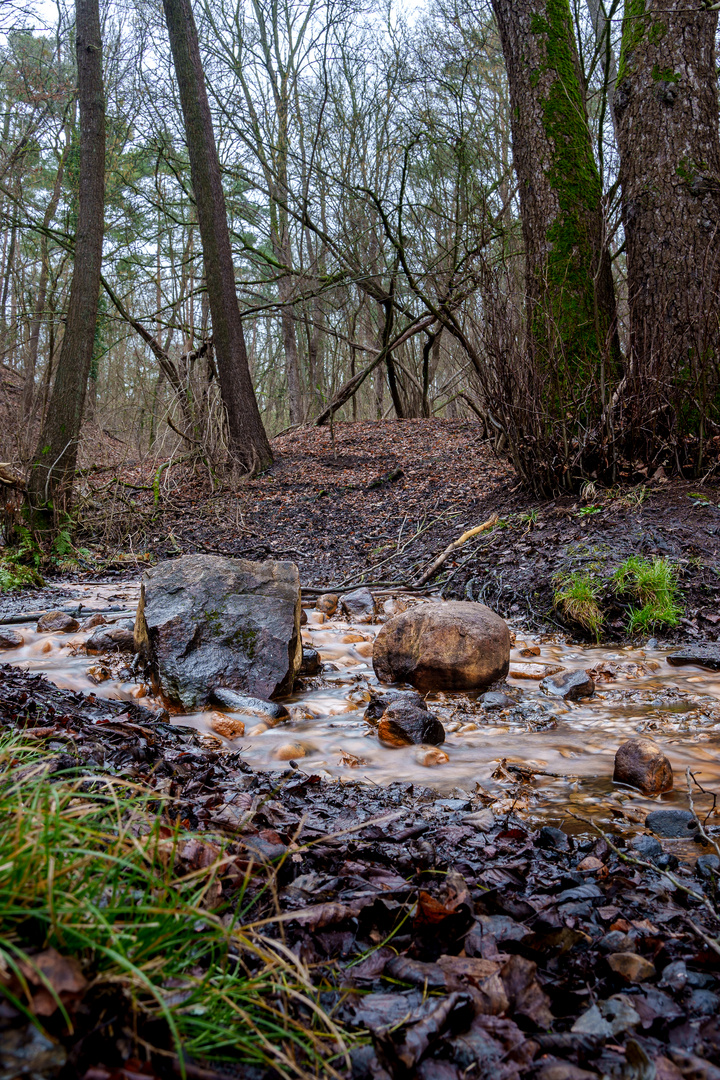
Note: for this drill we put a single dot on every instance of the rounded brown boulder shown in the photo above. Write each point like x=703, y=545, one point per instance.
x=641, y=764
x=450, y=646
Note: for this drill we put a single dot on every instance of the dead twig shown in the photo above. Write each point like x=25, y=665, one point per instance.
x=455, y=546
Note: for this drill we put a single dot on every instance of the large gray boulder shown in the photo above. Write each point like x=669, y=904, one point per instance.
x=450, y=646
x=205, y=622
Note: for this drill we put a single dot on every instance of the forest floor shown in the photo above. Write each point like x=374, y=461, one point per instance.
x=156, y=892
x=376, y=502
x=423, y=936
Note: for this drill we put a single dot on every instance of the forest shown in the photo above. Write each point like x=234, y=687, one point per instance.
x=360, y=564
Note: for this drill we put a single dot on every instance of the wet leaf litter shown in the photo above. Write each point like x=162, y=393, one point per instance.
x=523, y=921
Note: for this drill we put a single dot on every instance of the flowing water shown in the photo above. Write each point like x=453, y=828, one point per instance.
x=570, y=747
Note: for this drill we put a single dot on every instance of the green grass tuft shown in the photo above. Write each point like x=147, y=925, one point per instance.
x=577, y=598
x=99, y=873
x=653, y=584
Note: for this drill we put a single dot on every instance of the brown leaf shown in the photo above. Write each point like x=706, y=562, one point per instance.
x=524, y=992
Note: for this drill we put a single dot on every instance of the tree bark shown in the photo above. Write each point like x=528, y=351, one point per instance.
x=51, y=477
x=569, y=289
x=666, y=103
x=248, y=441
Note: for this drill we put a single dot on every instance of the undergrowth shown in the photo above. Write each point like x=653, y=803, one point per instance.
x=647, y=588
x=577, y=597
x=652, y=583
x=96, y=871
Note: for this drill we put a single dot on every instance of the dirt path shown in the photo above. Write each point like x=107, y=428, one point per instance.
x=377, y=502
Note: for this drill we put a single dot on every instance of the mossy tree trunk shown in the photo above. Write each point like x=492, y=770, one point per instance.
x=666, y=103
x=248, y=441
x=569, y=288
x=51, y=475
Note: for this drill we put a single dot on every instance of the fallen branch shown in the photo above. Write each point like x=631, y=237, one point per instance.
x=460, y=542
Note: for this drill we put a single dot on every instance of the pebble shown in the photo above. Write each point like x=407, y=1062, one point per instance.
x=646, y=846
x=708, y=867
x=327, y=603
x=431, y=758
x=494, y=699
x=674, y=824
x=57, y=622
x=227, y=726
x=569, y=685
x=289, y=752
x=10, y=639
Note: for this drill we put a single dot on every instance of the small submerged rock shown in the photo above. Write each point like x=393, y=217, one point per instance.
x=494, y=699
x=405, y=724
x=327, y=603
x=243, y=703
x=57, y=622
x=311, y=663
x=359, y=605
x=10, y=639
x=289, y=752
x=535, y=671
x=641, y=764
x=569, y=685
x=111, y=639
x=227, y=726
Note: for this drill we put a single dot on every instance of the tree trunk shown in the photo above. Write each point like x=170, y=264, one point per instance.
x=50, y=483
x=248, y=441
x=569, y=289
x=666, y=103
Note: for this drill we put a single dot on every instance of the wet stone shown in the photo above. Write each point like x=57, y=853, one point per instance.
x=647, y=847
x=244, y=703
x=111, y=639
x=453, y=804
x=10, y=639
x=98, y=619
x=553, y=839
x=380, y=702
x=494, y=699
x=708, y=867
x=569, y=685
x=327, y=603
x=358, y=605
x=641, y=764
x=311, y=663
x=673, y=824
x=449, y=646
x=57, y=622
x=705, y=655
x=404, y=724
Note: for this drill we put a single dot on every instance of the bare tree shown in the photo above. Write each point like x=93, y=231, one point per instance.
x=248, y=441
x=51, y=476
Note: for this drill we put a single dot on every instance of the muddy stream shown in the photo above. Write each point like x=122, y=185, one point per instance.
x=571, y=746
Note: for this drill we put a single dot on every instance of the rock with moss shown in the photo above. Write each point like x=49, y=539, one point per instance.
x=204, y=621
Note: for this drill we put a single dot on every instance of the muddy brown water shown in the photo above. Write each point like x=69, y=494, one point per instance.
x=572, y=744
